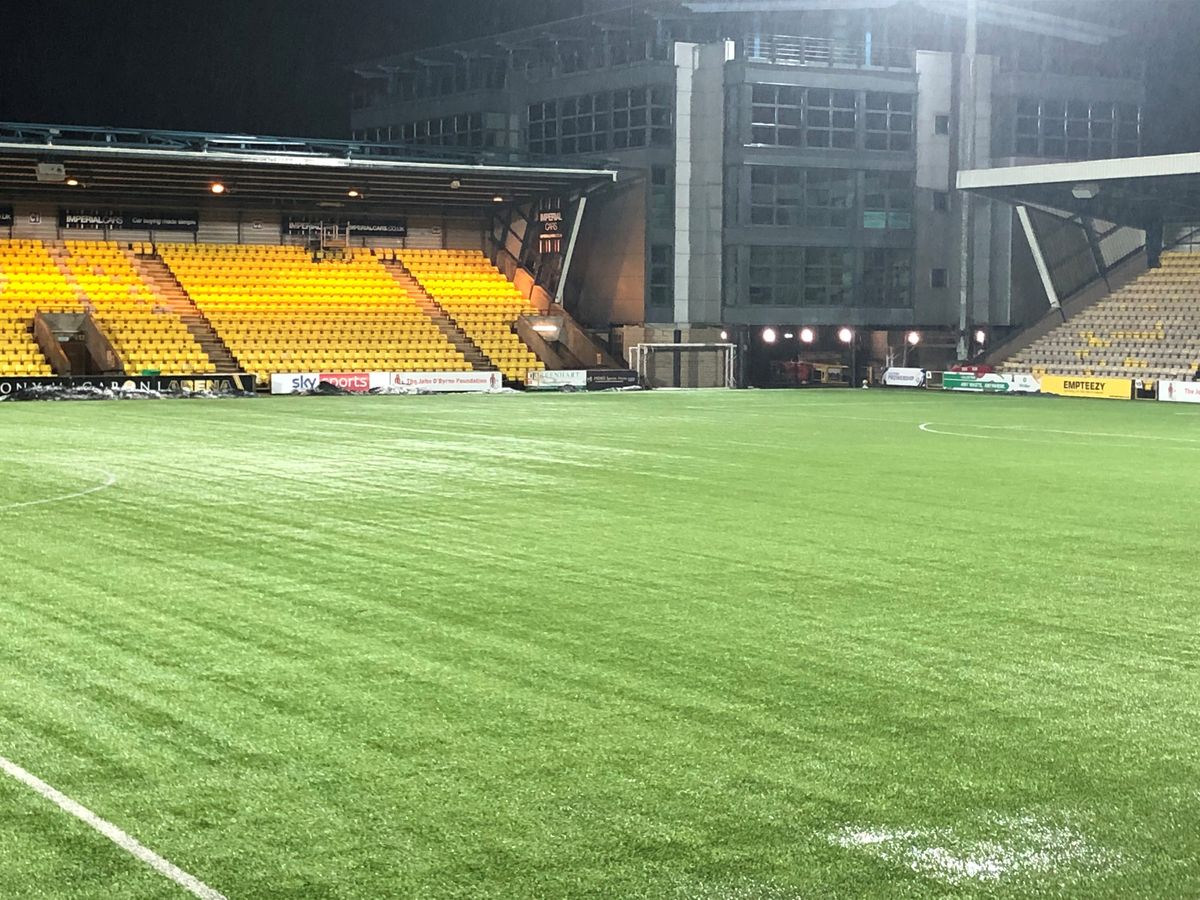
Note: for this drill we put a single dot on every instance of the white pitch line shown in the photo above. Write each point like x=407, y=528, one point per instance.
x=1024, y=429
x=109, y=480
x=189, y=883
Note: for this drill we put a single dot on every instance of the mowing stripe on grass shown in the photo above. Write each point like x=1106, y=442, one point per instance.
x=109, y=480
x=189, y=883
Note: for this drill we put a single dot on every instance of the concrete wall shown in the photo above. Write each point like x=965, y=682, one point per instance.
x=697, y=368
x=936, y=231
x=699, y=179
x=607, y=282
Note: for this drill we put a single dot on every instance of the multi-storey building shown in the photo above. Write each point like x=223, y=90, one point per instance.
x=796, y=158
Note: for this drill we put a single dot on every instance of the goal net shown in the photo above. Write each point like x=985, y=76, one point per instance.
x=685, y=365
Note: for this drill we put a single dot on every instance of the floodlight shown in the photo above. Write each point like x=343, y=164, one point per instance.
x=980, y=336
x=913, y=337
x=769, y=336
x=845, y=335
x=353, y=193
x=72, y=182
x=807, y=335
x=217, y=188
x=724, y=335
x=787, y=335
x=497, y=199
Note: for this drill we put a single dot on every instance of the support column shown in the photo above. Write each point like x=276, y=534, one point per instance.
x=966, y=160
x=570, y=253
x=1039, y=259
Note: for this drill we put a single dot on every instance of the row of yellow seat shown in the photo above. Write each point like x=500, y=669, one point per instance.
x=146, y=334
x=30, y=283
x=482, y=302
x=277, y=310
x=273, y=305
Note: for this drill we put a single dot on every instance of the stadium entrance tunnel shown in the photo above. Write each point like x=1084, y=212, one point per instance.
x=75, y=345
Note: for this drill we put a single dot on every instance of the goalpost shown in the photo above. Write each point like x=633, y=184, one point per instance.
x=699, y=365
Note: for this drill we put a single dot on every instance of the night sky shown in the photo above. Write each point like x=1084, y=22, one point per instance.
x=279, y=66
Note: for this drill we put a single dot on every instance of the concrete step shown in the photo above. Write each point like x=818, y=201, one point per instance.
x=170, y=292
x=445, y=324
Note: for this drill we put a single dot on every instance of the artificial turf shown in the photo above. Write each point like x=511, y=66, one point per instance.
x=671, y=645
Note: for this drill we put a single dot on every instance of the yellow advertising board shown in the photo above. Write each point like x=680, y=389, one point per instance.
x=1088, y=386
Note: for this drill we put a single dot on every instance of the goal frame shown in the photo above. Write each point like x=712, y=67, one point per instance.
x=640, y=355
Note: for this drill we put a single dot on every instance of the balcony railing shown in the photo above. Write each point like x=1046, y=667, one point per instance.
x=788, y=50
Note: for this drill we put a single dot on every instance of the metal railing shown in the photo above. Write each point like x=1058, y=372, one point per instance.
x=84, y=137
x=789, y=50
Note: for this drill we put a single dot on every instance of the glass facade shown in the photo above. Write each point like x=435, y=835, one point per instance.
x=788, y=116
x=1077, y=129
x=888, y=200
x=662, y=274
x=887, y=278
x=785, y=195
x=600, y=122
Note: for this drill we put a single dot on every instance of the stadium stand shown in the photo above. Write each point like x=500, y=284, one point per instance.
x=1149, y=329
x=480, y=301
x=280, y=311
x=30, y=283
x=147, y=335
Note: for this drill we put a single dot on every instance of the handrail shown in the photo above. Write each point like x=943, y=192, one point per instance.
x=799, y=50
x=84, y=136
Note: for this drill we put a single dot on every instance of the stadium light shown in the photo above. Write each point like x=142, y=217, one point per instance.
x=72, y=182
x=913, y=338
x=724, y=335
x=980, y=336
x=353, y=193
x=845, y=335
x=217, y=188
x=807, y=336
x=787, y=335
x=497, y=199
x=769, y=336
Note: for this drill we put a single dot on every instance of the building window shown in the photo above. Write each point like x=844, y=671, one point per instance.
x=777, y=115
x=828, y=276
x=829, y=119
x=1077, y=129
x=941, y=201
x=801, y=276
x=889, y=119
x=662, y=196
x=828, y=197
x=887, y=278
x=583, y=124
x=784, y=195
x=662, y=274
x=887, y=200
x=775, y=276
x=463, y=130
x=543, y=127
x=941, y=124
x=596, y=123
x=937, y=278
x=629, y=117
x=786, y=116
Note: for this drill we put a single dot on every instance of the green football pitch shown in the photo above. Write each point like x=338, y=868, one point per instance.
x=746, y=645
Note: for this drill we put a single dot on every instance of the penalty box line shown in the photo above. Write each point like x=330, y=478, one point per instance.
x=130, y=845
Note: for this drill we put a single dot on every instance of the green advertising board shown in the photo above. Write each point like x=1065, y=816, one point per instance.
x=965, y=381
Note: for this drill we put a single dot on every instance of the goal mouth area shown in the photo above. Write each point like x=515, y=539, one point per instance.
x=723, y=372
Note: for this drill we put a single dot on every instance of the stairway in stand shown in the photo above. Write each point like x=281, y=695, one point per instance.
x=59, y=254
x=162, y=281
x=437, y=315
